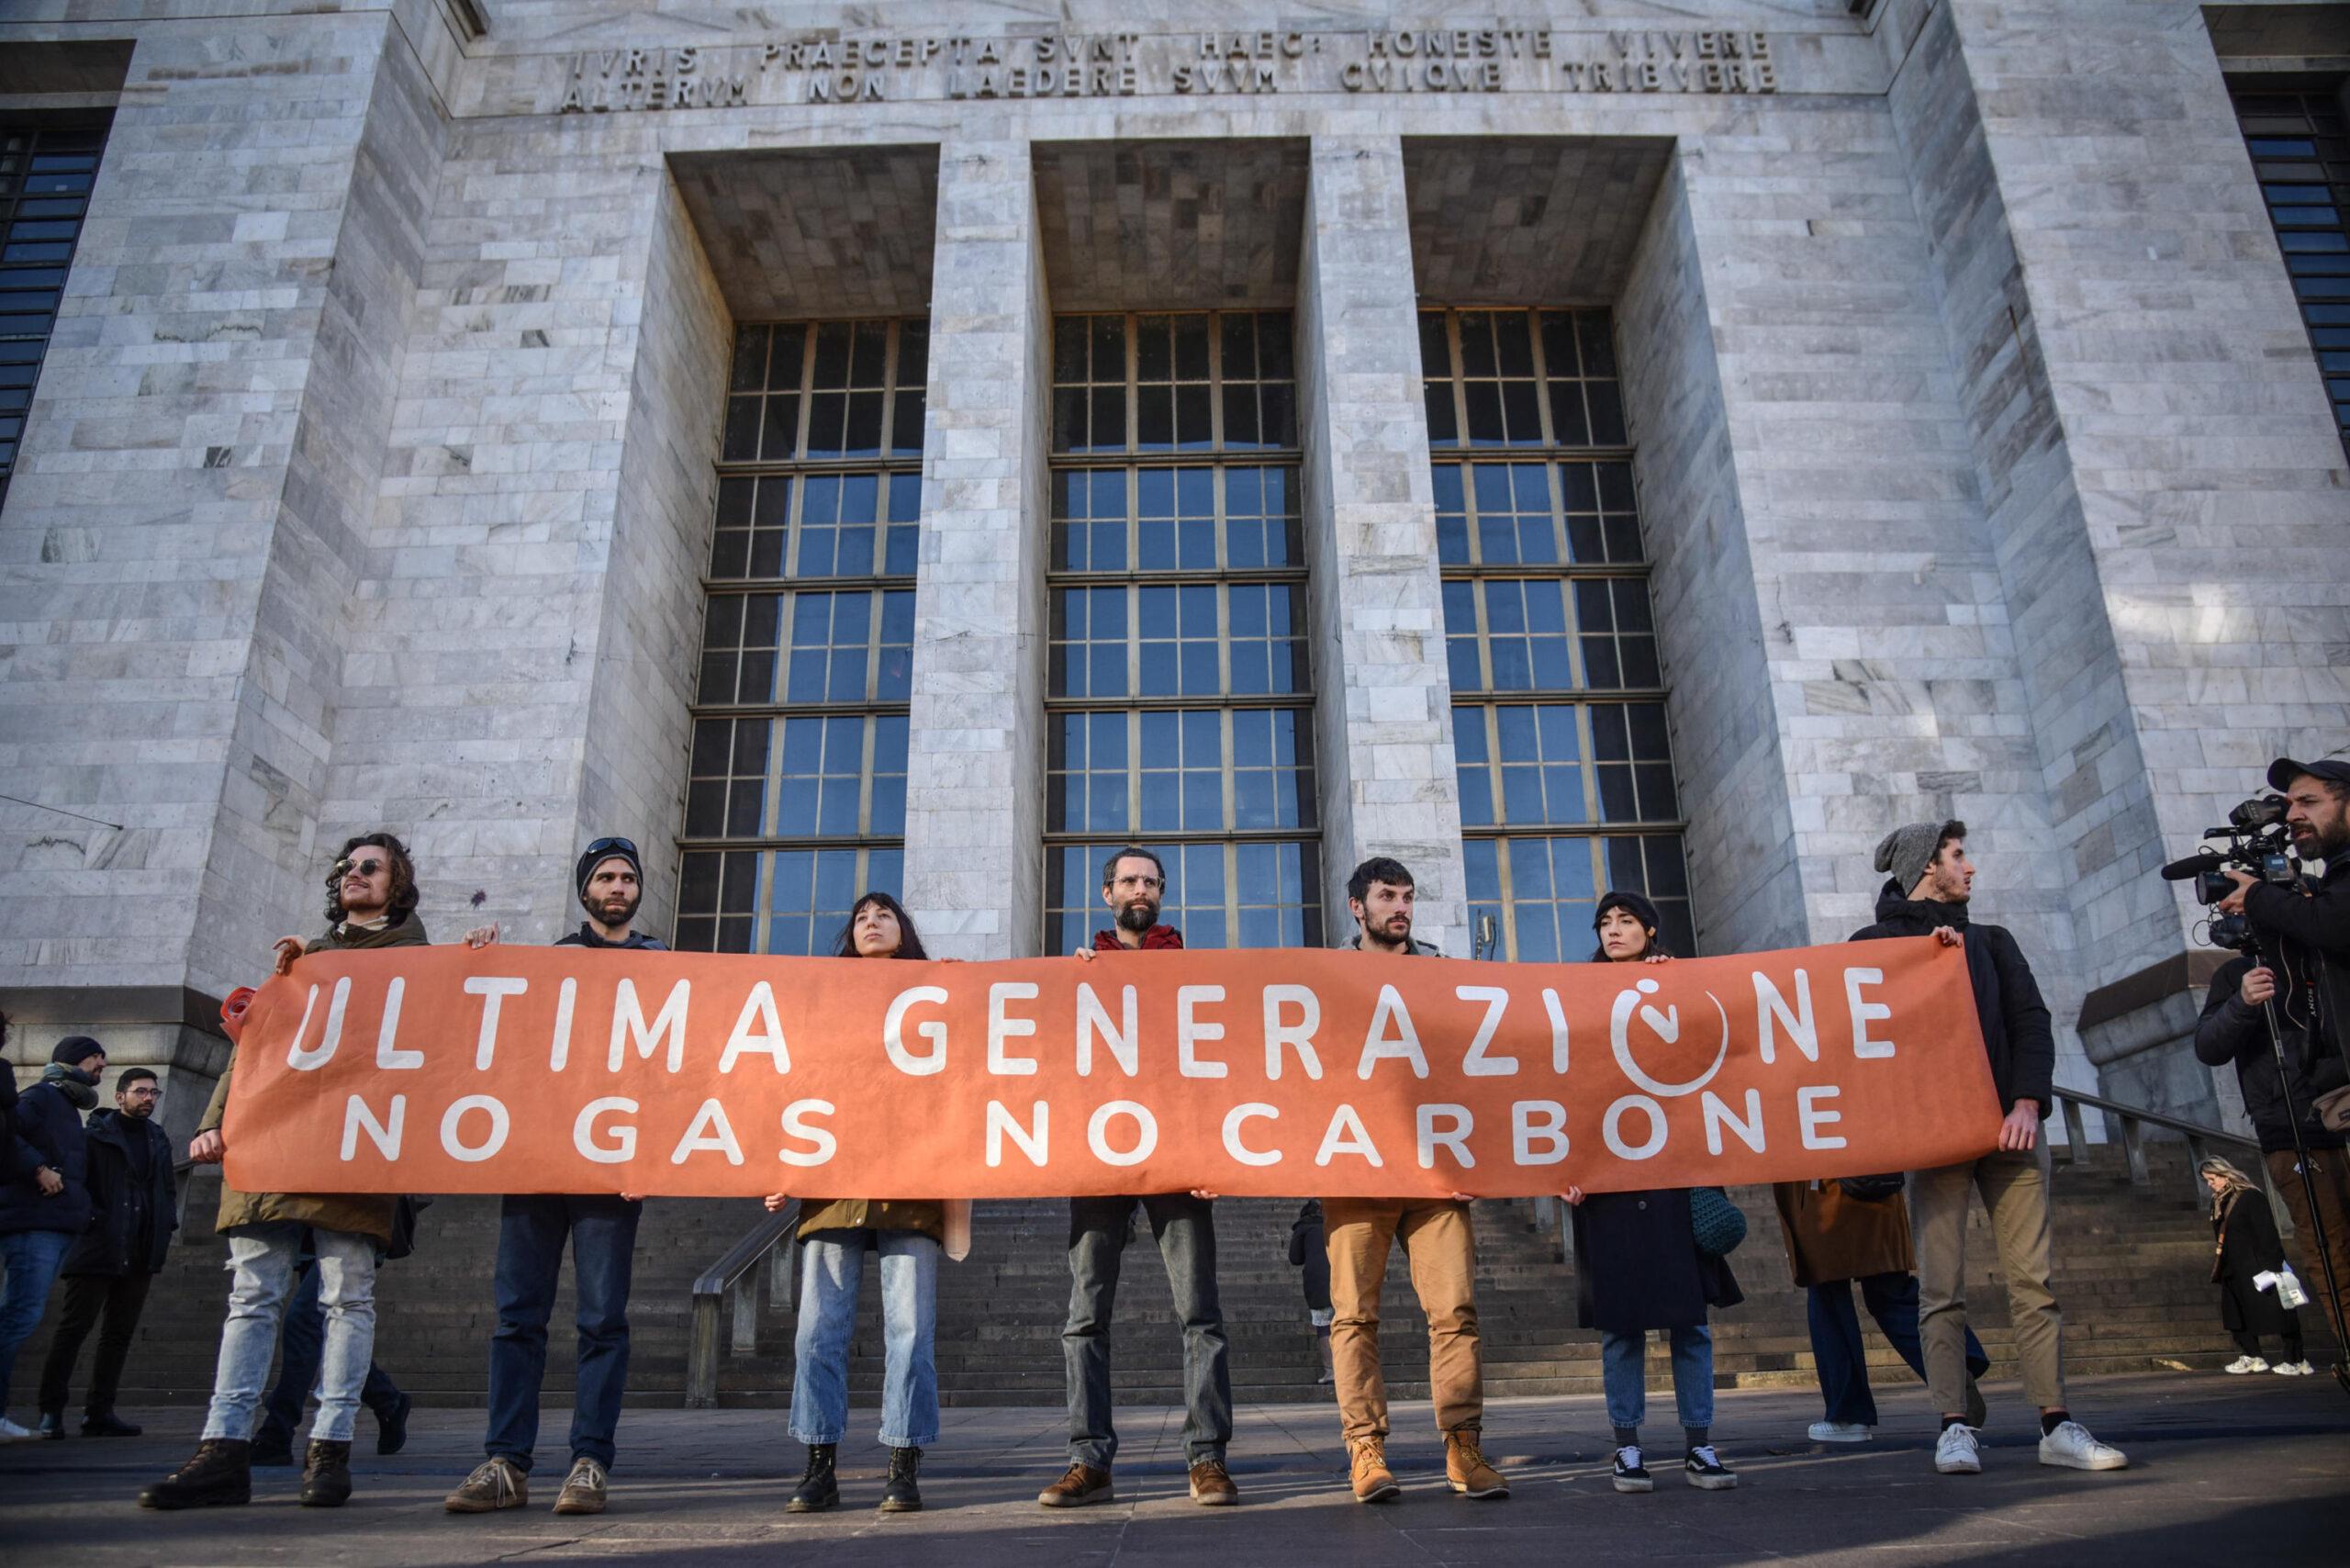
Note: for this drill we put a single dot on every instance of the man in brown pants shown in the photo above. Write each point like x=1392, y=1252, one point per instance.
x=1440, y=1243
x=1926, y=893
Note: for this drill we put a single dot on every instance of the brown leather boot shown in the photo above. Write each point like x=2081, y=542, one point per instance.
x=1465, y=1466
x=217, y=1472
x=326, y=1476
x=1082, y=1484
x=1373, y=1482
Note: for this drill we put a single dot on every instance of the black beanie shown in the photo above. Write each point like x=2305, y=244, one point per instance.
x=75, y=1049
x=1639, y=907
x=595, y=858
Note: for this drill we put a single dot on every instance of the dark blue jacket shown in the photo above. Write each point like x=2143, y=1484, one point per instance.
x=110, y=1248
x=49, y=1121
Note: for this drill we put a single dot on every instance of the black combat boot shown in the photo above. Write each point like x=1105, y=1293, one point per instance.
x=219, y=1472
x=326, y=1478
x=902, y=1496
x=820, y=1488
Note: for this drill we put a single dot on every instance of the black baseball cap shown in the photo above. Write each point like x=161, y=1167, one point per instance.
x=2284, y=770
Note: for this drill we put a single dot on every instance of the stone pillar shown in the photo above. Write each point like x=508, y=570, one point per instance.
x=1383, y=697
x=187, y=521
x=1747, y=894
x=1893, y=680
x=975, y=759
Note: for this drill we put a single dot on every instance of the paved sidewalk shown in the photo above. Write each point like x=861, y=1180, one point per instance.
x=2254, y=1470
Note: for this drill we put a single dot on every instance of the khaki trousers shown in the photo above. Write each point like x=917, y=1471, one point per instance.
x=2015, y=1191
x=1441, y=1246
x=2330, y=1168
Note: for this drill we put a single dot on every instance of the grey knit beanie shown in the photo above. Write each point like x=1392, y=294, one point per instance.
x=1906, y=852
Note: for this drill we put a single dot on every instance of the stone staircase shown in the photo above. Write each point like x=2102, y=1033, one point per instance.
x=2132, y=1273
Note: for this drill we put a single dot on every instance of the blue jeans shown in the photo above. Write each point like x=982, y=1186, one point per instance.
x=1623, y=1372
x=832, y=1268
x=301, y=1344
x=263, y=1257
x=1184, y=1228
x=531, y=1232
x=32, y=1256
x=1843, y=1357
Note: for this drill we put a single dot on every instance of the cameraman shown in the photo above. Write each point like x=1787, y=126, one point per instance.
x=2304, y=966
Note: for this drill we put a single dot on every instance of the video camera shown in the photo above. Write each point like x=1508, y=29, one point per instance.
x=2258, y=842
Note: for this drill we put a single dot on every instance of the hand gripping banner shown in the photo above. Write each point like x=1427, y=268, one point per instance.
x=1265, y=1073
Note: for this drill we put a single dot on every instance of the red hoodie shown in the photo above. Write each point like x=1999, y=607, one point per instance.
x=1158, y=937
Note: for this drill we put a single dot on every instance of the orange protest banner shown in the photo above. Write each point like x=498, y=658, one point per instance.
x=521, y=1070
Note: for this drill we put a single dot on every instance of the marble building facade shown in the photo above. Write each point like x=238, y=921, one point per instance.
x=1984, y=462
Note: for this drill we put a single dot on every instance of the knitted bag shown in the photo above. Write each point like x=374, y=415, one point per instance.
x=1715, y=1222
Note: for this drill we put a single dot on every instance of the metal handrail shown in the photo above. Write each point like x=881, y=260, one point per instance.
x=2134, y=1119
x=729, y=1282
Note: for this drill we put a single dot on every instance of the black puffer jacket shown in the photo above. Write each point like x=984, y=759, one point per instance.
x=2017, y=1036
x=2232, y=1034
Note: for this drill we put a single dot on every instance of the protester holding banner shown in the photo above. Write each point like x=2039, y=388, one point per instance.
x=1440, y=1243
x=1133, y=882
x=370, y=903
x=531, y=1230
x=1927, y=890
x=835, y=1236
x=1638, y=1267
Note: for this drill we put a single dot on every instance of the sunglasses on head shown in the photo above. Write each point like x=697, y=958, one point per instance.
x=615, y=846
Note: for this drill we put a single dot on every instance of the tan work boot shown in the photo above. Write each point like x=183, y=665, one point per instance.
x=1373, y=1482
x=1465, y=1466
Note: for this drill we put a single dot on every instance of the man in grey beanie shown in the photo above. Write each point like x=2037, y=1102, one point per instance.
x=1929, y=882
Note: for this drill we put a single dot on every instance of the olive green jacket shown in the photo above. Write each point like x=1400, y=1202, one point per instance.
x=926, y=1215
x=364, y=1214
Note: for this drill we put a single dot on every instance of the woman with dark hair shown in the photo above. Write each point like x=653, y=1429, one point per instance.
x=1638, y=1267
x=835, y=1236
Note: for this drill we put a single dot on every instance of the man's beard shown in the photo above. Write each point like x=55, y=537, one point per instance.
x=137, y=1113
x=1396, y=931
x=353, y=911
x=1138, y=915
x=603, y=911
x=2328, y=847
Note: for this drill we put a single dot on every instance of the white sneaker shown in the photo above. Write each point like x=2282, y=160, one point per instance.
x=2071, y=1446
x=2294, y=1369
x=10, y=1432
x=1955, y=1451
x=1838, y=1432
x=2245, y=1364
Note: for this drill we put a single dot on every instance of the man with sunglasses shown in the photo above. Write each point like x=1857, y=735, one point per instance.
x=371, y=902
x=531, y=1228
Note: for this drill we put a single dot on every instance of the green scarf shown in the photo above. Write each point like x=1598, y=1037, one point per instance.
x=76, y=1084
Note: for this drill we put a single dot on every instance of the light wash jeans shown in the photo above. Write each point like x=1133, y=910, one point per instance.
x=833, y=1263
x=1623, y=1373
x=263, y=1257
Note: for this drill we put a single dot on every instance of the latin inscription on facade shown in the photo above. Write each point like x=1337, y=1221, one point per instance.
x=823, y=68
